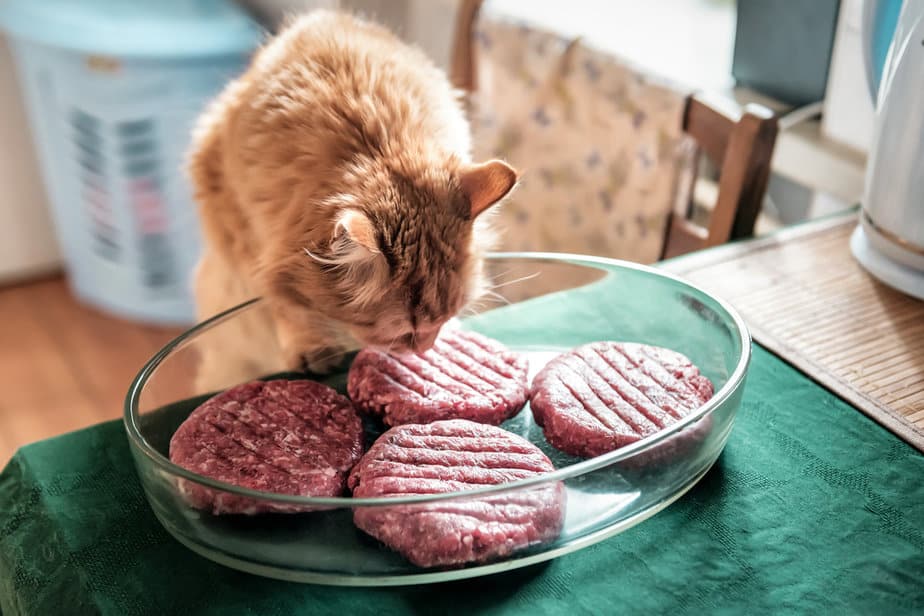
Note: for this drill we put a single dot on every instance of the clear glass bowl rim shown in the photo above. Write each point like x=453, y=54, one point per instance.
x=131, y=416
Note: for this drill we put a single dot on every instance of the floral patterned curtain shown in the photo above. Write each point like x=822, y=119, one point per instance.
x=598, y=143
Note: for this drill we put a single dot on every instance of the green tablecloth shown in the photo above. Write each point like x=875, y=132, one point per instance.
x=812, y=508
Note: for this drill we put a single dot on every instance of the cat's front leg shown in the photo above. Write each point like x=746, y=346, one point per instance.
x=311, y=342
x=320, y=360
x=239, y=349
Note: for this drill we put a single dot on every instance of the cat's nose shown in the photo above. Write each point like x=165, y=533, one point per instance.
x=425, y=337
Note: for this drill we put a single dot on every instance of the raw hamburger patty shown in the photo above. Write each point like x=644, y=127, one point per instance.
x=605, y=395
x=289, y=437
x=447, y=456
x=464, y=376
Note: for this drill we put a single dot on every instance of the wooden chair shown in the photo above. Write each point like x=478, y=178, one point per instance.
x=738, y=141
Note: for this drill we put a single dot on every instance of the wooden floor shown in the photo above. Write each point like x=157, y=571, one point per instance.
x=63, y=365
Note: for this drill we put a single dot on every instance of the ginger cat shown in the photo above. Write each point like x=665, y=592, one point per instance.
x=334, y=179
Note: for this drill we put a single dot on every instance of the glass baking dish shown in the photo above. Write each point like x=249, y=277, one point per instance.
x=550, y=303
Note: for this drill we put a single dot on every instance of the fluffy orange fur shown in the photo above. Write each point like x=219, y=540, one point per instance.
x=334, y=179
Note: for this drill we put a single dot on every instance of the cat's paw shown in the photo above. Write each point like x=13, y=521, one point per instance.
x=321, y=360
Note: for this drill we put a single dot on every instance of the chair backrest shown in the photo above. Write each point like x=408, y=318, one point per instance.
x=739, y=142
x=462, y=61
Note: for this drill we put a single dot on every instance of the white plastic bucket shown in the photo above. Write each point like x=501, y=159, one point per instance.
x=111, y=110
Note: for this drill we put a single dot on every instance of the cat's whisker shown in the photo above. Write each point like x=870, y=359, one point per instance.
x=474, y=310
x=521, y=279
x=470, y=311
x=388, y=349
x=487, y=299
x=476, y=307
x=504, y=273
x=496, y=296
x=497, y=278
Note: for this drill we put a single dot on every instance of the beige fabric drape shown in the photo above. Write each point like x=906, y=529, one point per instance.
x=599, y=144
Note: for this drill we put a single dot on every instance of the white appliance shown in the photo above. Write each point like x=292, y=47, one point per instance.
x=848, y=110
x=889, y=241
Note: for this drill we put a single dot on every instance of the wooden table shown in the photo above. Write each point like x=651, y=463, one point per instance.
x=811, y=509
x=807, y=299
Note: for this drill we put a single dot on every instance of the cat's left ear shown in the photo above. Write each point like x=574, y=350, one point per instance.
x=486, y=184
x=358, y=228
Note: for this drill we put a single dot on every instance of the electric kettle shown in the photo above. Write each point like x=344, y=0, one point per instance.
x=889, y=241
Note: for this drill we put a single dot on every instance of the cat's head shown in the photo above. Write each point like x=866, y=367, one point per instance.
x=401, y=253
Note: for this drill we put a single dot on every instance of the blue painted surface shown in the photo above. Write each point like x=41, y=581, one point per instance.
x=885, y=18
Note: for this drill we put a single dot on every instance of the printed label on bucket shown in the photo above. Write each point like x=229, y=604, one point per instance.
x=112, y=145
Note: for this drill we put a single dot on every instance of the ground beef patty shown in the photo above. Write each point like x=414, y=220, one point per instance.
x=289, y=437
x=605, y=395
x=464, y=376
x=449, y=456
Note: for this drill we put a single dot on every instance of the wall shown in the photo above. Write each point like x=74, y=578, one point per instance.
x=426, y=23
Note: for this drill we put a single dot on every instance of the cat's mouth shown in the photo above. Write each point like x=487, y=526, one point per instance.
x=419, y=341
x=402, y=347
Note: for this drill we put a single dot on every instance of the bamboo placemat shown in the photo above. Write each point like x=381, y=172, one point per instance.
x=805, y=298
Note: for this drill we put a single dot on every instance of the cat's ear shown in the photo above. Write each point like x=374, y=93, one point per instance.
x=486, y=184
x=358, y=228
